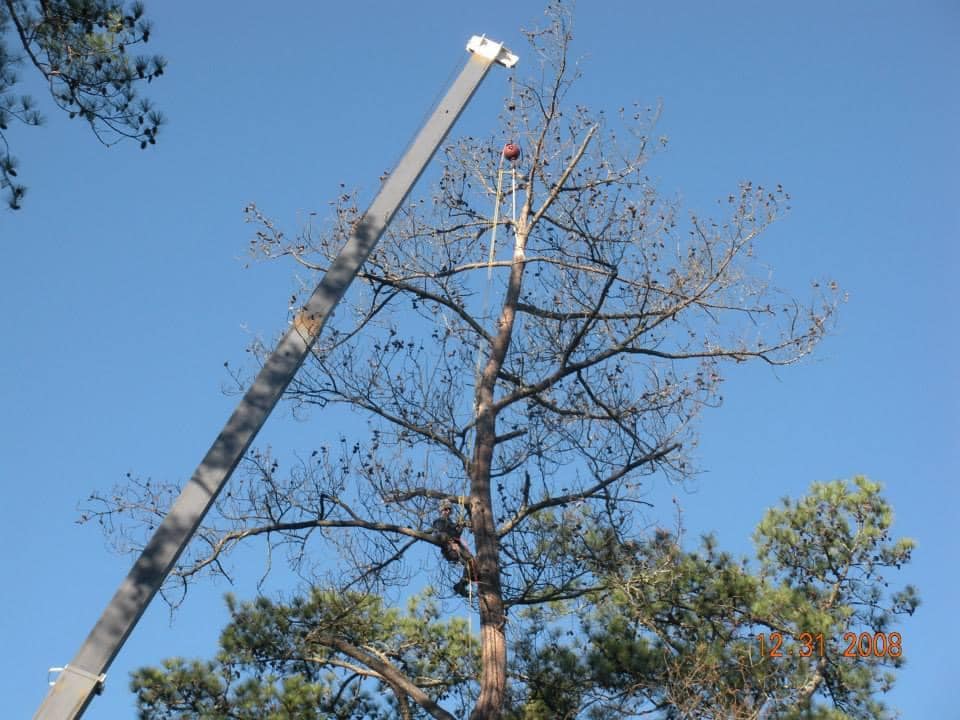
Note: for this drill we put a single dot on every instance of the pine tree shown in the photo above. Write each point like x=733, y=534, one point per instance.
x=82, y=48
x=670, y=633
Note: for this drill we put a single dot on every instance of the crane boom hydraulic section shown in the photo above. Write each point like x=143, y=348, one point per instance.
x=84, y=676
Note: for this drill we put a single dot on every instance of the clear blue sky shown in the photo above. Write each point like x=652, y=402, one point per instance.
x=123, y=288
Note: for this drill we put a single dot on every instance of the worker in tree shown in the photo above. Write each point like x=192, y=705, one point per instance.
x=447, y=533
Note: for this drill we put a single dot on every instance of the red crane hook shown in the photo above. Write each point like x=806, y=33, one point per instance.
x=511, y=151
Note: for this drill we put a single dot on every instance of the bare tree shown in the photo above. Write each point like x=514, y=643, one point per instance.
x=536, y=401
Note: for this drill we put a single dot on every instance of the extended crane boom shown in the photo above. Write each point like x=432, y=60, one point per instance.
x=85, y=675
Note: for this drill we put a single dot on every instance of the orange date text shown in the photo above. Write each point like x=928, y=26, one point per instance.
x=854, y=645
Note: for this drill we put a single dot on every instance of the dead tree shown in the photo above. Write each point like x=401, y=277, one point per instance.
x=537, y=401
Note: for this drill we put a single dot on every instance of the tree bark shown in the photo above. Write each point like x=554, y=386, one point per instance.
x=493, y=644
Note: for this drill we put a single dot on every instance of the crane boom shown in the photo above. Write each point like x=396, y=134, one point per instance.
x=84, y=676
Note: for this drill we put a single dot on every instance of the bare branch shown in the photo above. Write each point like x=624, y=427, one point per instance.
x=595, y=489
x=387, y=671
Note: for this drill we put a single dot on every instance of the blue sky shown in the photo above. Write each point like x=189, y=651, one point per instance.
x=124, y=286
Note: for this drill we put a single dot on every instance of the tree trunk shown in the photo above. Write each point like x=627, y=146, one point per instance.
x=493, y=643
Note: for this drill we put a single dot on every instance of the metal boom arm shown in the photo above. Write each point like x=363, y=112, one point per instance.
x=84, y=676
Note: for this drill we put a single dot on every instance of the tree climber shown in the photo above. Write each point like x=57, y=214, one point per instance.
x=452, y=547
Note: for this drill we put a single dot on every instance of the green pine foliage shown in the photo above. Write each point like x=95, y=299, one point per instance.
x=674, y=634
x=277, y=661
x=84, y=50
